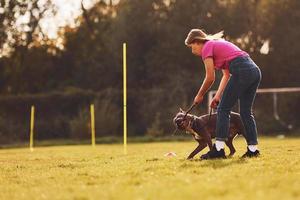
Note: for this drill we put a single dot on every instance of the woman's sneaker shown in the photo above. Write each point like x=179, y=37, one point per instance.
x=250, y=154
x=214, y=154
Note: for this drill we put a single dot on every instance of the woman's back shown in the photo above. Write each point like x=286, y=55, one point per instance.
x=222, y=52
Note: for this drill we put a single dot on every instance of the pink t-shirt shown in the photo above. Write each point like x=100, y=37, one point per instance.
x=222, y=52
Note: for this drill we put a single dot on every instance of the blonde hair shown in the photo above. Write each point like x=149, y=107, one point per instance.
x=200, y=36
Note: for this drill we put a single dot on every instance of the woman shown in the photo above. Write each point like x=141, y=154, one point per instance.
x=240, y=80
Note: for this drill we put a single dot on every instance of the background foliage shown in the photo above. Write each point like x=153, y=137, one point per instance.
x=163, y=75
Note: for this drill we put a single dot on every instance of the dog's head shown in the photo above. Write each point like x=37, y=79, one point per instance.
x=181, y=120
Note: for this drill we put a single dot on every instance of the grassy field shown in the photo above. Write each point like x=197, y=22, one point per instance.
x=103, y=172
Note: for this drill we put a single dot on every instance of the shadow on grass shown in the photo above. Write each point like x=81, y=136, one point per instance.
x=214, y=164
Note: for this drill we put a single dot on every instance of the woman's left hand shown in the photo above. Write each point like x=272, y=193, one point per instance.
x=215, y=101
x=198, y=99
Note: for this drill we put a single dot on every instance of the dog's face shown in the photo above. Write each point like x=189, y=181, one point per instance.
x=180, y=120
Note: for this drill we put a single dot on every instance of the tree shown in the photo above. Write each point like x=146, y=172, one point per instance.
x=20, y=31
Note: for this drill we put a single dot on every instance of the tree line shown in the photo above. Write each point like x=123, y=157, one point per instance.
x=162, y=72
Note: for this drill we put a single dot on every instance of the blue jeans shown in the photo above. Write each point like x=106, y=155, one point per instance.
x=242, y=85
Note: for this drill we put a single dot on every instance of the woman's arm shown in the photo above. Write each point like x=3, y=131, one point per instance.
x=208, y=81
x=215, y=101
x=223, y=83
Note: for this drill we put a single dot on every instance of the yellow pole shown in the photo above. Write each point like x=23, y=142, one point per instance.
x=31, y=128
x=124, y=99
x=92, y=108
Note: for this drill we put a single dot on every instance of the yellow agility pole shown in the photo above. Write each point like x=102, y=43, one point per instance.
x=92, y=109
x=124, y=99
x=31, y=128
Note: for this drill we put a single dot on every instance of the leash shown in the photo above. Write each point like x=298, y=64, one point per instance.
x=209, y=117
x=189, y=110
x=210, y=112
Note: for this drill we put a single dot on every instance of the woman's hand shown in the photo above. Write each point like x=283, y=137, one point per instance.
x=208, y=80
x=198, y=99
x=215, y=101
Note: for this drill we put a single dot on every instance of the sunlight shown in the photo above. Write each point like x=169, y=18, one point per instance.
x=67, y=12
x=265, y=47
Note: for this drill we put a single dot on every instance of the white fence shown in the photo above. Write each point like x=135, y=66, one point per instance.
x=274, y=91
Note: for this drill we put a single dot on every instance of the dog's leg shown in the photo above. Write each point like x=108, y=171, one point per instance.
x=201, y=146
x=230, y=145
x=207, y=138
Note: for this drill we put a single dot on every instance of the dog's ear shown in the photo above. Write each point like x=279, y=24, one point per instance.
x=174, y=120
x=180, y=110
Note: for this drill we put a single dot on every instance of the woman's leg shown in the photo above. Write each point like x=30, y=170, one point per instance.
x=247, y=98
x=246, y=103
x=229, y=98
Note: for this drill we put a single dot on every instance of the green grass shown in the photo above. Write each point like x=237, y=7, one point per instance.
x=103, y=172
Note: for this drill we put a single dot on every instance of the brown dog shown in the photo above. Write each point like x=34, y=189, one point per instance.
x=203, y=129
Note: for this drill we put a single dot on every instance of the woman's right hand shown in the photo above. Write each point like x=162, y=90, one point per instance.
x=198, y=99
